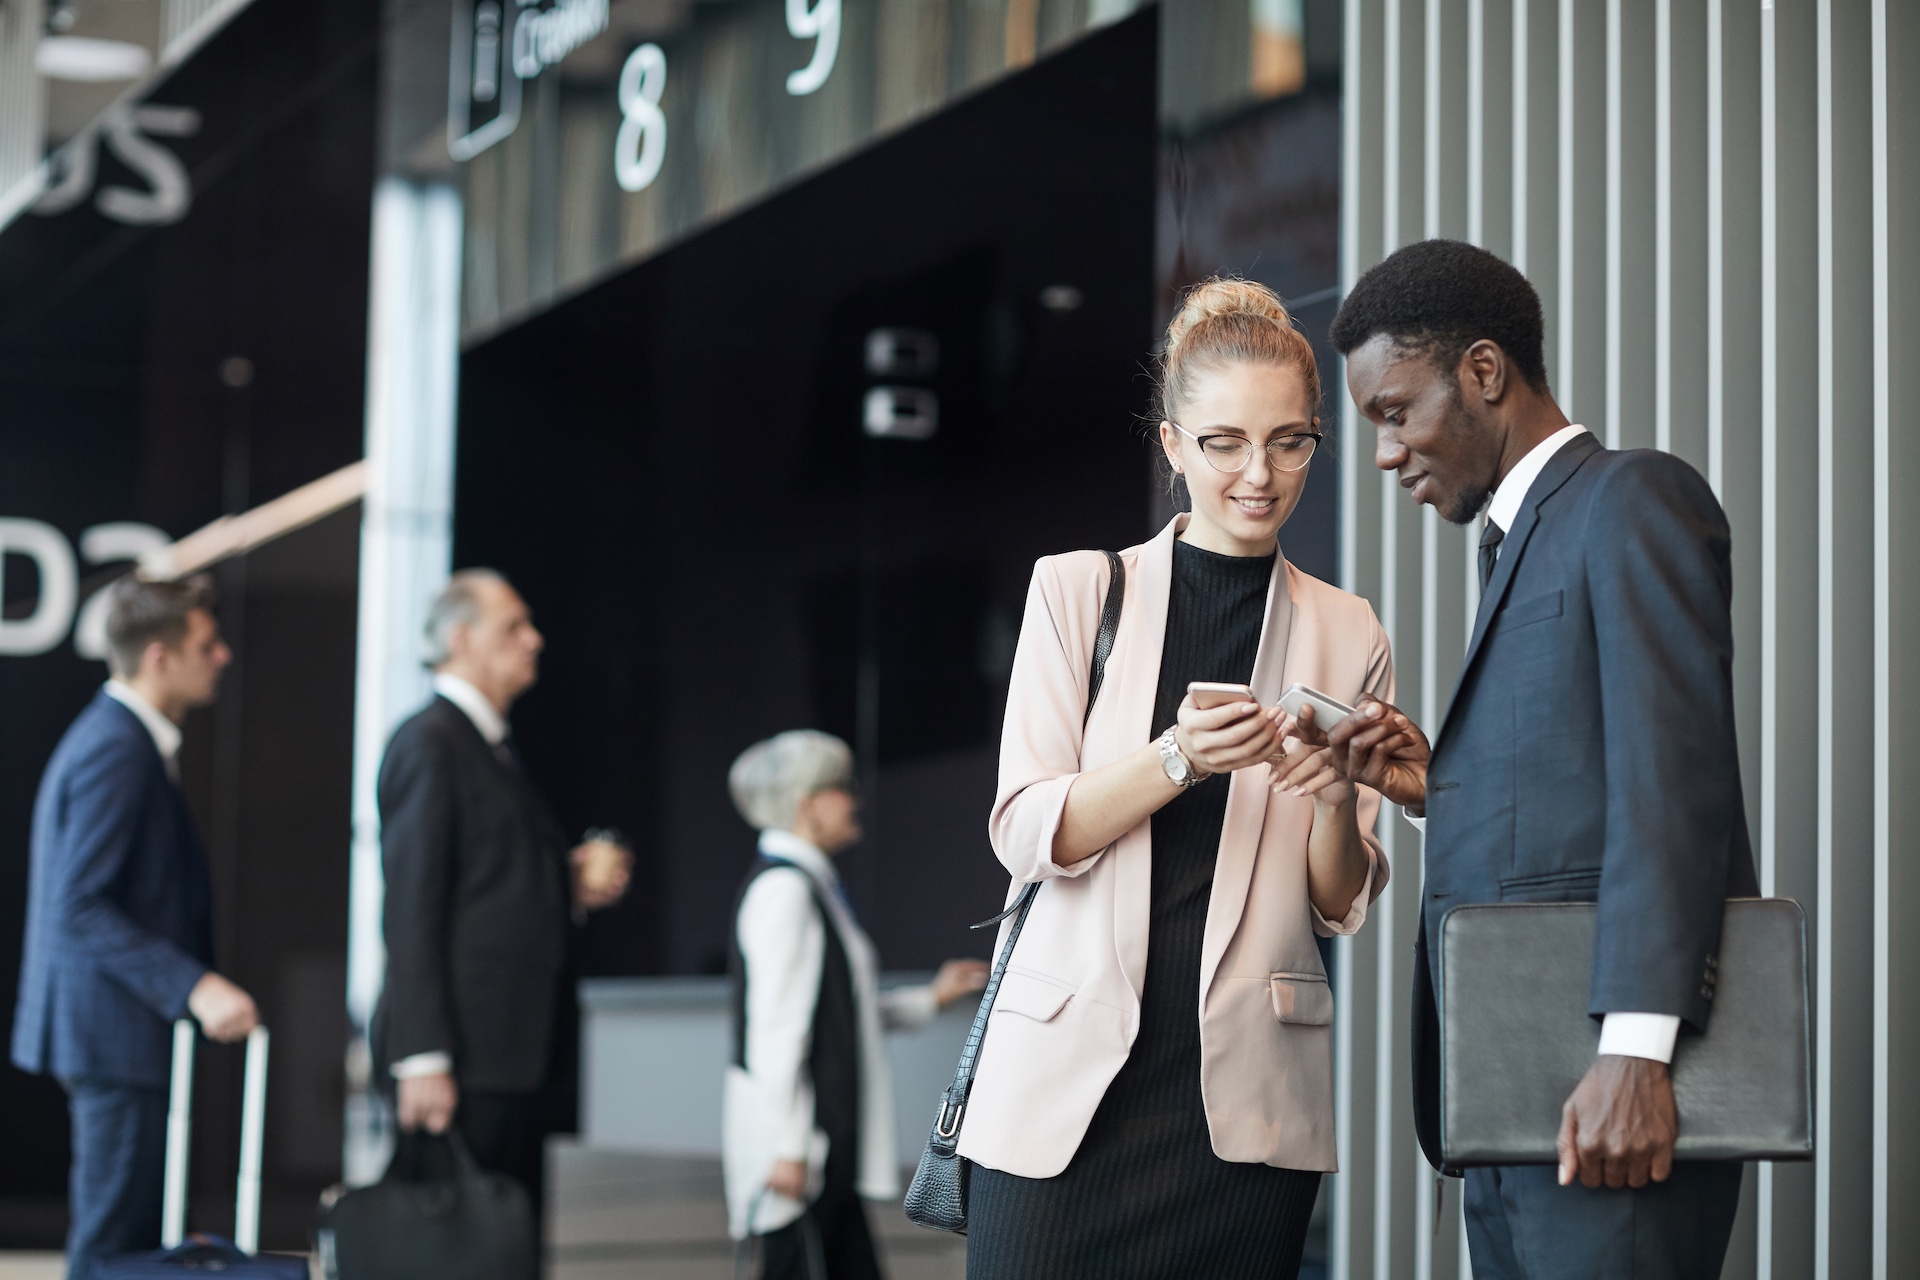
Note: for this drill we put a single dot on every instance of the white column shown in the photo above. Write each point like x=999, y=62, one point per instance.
x=1824, y=724
x=23, y=108
x=1522, y=192
x=1662, y=230
x=1716, y=250
x=413, y=347
x=1352, y=81
x=1615, y=303
x=1563, y=365
x=1882, y=647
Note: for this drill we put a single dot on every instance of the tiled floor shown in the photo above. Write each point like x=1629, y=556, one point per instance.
x=618, y=1215
x=625, y=1216
x=31, y=1266
x=622, y=1216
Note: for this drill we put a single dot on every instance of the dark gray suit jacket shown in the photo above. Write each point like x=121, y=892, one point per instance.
x=476, y=917
x=1589, y=753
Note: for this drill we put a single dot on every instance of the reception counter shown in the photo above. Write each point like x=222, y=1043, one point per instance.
x=653, y=1051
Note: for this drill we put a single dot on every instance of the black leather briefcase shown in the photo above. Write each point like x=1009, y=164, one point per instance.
x=436, y=1215
x=1515, y=1036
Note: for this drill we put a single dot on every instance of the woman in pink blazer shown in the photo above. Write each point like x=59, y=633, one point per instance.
x=1155, y=1093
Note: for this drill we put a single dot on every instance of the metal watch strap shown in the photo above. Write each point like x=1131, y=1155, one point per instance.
x=953, y=1105
x=1170, y=745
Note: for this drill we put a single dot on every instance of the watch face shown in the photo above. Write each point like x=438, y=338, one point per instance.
x=1174, y=763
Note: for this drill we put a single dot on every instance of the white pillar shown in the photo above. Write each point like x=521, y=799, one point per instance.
x=406, y=537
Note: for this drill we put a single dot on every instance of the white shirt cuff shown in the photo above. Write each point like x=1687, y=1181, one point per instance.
x=1419, y=824
x=1640, y=1035
x=905, y=1008
x=424, y=1064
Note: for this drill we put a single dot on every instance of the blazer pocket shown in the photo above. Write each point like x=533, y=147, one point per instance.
x=1031, y=995
x=1303, y=999
x=1524, y=613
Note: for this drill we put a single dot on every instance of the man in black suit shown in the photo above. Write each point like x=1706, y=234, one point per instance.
x=481, y=893
x=1589, y=753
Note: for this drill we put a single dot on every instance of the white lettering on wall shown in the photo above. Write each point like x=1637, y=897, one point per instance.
x=641, y=145
x=542, y=37
x=820, y=24
x=47, y=625
x=129, y=137
x=109, y=544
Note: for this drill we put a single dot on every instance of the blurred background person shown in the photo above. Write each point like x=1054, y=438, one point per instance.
x=119, y=937
x=481, y=895
x=809, y=1103
x=1155, y=1093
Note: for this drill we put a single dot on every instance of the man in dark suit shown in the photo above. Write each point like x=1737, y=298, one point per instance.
x=119, y=937
x=1589, y=753
x=481, y=893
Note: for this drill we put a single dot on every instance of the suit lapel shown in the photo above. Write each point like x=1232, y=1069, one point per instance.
x=1559, y=469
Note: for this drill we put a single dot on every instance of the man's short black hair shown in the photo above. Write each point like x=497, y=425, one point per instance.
x=1439, y=297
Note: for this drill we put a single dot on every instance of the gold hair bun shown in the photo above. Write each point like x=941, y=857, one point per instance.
x=1225, y=296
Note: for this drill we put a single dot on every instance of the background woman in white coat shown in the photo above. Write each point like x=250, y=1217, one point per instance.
x=1154, y=1096
x=809, y=1106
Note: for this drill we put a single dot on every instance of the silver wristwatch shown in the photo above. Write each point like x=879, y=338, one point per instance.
x=1180, y=770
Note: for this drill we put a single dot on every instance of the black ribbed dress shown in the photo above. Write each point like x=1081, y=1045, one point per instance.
x=1145, y=1197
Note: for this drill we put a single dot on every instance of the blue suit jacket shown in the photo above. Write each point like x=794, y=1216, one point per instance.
x=119, y=912
x=1589, y=754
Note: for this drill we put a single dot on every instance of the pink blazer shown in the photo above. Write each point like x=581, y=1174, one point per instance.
x=1069, y=1006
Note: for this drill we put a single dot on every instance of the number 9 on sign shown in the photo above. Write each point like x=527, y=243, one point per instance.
x=641, y=145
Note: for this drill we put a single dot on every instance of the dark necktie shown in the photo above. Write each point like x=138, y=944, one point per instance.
x=1489, y=551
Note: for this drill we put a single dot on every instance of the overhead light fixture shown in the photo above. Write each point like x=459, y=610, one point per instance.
x=1061, y=297
x=901, y=413
x=87, y=59
x=902, y=353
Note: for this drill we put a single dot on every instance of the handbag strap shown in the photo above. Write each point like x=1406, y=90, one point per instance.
x=953, y=1104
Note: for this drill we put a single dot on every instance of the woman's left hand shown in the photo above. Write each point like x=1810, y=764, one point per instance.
x=957, y=979
x=1303, y=770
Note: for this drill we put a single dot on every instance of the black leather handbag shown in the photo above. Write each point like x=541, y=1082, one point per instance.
x=436, y=1213
x=937, y=1197
x=1515, y=1037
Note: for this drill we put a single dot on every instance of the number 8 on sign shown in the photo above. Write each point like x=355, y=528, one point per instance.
x=641, y=145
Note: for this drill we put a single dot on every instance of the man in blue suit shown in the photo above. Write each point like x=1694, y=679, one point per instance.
x=119, y=938
x=1589, y=753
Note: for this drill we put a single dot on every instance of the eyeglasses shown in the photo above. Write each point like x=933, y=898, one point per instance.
x=1230, y=454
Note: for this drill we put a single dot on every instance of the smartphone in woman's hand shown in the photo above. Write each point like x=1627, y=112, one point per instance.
x=1207, y=695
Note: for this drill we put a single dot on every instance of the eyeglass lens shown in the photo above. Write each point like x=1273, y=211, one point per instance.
x=1284, y=453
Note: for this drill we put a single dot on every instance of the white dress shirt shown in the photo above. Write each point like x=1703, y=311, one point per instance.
x=1512, y=491
x=1633, y=1035
x=493, y=727
x=479, y=708
x=769, y=1104
x=165, y=733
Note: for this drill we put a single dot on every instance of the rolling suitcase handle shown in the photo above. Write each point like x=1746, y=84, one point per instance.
x=253, y=1127
x=173, y=1215
x=253, y=1124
